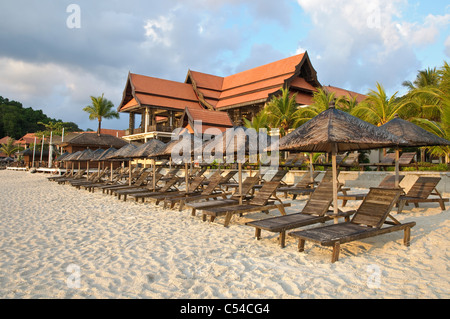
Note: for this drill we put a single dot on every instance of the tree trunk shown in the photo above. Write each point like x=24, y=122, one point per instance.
x=99, y=126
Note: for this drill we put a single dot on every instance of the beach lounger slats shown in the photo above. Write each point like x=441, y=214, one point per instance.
x=367, y=222
x=420, y=193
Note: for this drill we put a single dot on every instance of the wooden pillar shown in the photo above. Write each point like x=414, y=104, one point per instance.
x=131, y=123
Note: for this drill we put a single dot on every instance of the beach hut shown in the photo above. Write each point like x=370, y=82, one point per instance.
x=334, y=131
x=414, y=135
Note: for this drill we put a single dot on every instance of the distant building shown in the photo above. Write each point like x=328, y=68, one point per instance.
x=157, y=106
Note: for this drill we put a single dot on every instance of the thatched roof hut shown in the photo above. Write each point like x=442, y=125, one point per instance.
x=93, y=141
x=151, y=147
x=413, y=134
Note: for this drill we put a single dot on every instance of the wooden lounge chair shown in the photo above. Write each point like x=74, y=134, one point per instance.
x=316, y=210
x=138, y=177
x=169, y=186
x=79, y=175
x=387, y=160
x=194, y=186
x=327, y=177
x=305, y=184
x=123, y=192
x=367, y=222
x=213, y=190
x=387, y=182
x=140, y=182
x=55, y=178
x=260, y=202
x=420, y=193
x=247, y=187
x=290, y=160
x=350, y=161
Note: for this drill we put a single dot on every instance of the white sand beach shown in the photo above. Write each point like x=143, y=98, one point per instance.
x=52, y=233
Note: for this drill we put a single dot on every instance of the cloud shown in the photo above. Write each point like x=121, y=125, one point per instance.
x=363, y=42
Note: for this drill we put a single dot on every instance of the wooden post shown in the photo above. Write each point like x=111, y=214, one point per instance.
x=397, y=167
x=335, y=182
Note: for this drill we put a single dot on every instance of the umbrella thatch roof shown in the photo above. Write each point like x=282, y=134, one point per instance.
x=413, y=134
x=72, y=156
x=151, y=147
x=62, y=156
x=85, y=155
x=94, y=140
x=123, y=153
x=335, y=127
x=104, y=154
x=96, y=154
x=185, y=141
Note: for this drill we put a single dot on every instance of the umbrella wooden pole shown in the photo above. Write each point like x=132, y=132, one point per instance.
x=186, y=176
x=154, y=174
x=311, y=168
x=397, y=167
x=87, y=169
x=240, y=183
x=111, y=171
x=129, y=172
x=335, y=184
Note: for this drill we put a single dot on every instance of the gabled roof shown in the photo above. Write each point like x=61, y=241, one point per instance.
x=257, y=84
x=208, y=118
x=94, y=140
x=143, y=90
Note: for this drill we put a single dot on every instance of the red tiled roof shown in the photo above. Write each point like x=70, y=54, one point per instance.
x=341, y=92
x=160, y=93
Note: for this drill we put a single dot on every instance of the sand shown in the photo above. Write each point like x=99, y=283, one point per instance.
x=60, y=242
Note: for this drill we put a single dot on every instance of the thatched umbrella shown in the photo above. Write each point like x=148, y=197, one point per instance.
x=239, y=141
x=85, y=155
x=102, y=157
x=334, y=131
x=181, y=147
x=95, y=155
x=147, y=149
x=123, y=154
x=414, y=135
x=71, y=158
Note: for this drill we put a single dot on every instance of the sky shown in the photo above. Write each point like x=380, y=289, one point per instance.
x=54, y=55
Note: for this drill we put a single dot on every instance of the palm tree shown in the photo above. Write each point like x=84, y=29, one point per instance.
x=100, y=108
x=258, y=122
x=321, y=101
x=282, y=112
x=378, y=108
x=8, y=148
x=425, y=78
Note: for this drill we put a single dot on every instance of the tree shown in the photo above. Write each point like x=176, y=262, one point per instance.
x=258, y=122
x=282, y=112
x=8, y=148
x=425, y=78
x=378, y=108
x=100, y=108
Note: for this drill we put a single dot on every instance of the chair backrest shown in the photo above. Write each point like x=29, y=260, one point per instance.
x=389, y=181
x=291, y=158
x=320, y=200
x=328, y=176
x=196, y=182
x=227, y=177
x=263, y=195
x=388, y=159
x=340, y=157
x=351, y=159
x=214, y=182
x=305, y=181
x=423, y=187
x=169, y=184
x=79, y=173
x=142, y=178
x=406, y=158
x=279, y=175
x=376, y=206
x=300, y=160
x=247, y=186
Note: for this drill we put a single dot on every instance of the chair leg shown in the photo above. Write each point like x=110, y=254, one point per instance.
x=193, y=212
x=227, y=219
x=257, y=233
x=301, y=245
x=282, y=239
x=401, y=204
x=336, y=249
x=407, y=236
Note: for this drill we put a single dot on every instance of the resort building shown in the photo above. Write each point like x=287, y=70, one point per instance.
x=157, y=106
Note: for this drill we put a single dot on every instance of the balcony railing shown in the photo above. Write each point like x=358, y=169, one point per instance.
x=151, y=128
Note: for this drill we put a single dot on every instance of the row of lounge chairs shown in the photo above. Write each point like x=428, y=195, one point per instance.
x=346, y=161
x=211, y=196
